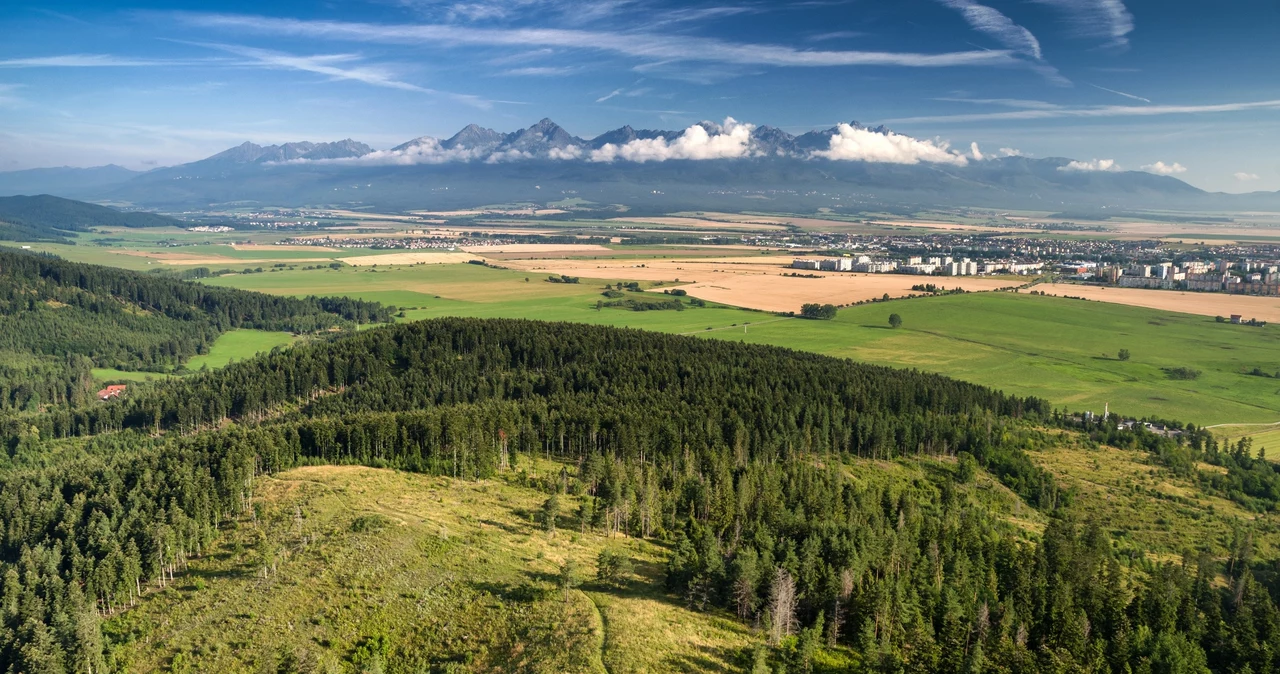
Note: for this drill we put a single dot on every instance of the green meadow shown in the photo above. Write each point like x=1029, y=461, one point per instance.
x=239, y=345
x=230, y=346
x=1060, y=349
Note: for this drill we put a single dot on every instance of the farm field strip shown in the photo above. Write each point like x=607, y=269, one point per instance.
x=1204, y=304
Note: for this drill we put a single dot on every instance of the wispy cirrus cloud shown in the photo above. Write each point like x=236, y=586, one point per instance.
x=8, y=98
x=337, y=67
x=479, y=11
x=990, y=21
x=1121, y=93
x=540, y=71
x=1090, y=112
x=645, y=46
x=93, y=61
x=1106, y=20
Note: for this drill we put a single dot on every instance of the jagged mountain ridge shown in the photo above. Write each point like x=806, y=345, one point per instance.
x=771, y=168
x=539, y=140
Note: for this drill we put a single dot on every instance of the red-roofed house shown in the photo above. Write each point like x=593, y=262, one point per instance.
x=111, y=391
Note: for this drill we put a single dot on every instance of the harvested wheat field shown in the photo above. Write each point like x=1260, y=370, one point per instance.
x=408, y=258
x=1204, y=304
x=787, y=293
x=575, y=248
x=684, y=269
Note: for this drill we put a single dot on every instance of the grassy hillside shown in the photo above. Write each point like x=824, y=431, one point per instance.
x=449, y=572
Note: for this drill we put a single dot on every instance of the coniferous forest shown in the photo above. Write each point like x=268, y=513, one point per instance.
x=59, y=319
x=730, y=454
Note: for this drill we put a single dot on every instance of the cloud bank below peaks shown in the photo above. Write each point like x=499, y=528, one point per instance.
x=1091, y=165
x=851, y=143
x=731, y=140
x=704, y=141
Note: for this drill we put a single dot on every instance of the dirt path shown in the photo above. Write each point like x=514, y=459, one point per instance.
x=1272, y=423
x=600, y=627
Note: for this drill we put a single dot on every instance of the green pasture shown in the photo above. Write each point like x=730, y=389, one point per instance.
x=1062, y=350
x=239, y=345
x=230, y=346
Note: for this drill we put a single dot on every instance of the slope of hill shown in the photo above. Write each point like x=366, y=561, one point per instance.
x=59, y=319
x=734, y=458
x=64, y=180
x=50, y=218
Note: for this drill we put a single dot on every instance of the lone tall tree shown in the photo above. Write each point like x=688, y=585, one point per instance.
x=1124, y=354
x=895, y=321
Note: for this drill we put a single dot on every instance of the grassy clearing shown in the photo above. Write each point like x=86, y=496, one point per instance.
x=230, y=346
x=449, y=575
x=239, y=345
x=444, y=573
x=1144, y=506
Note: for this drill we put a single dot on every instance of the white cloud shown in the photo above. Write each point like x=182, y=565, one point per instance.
x=854, y=144
x=975, y=152
x=1011, y=152
x=1165, y=169
x=1246, y=177
x=1091, y=165
x=1108, y=20
x=609, y=95
x=730, y=140
x=650, y=47
x=1092, y=112
x=987, y=20
x=507, y=155
x=425, y=150
x=565, y=153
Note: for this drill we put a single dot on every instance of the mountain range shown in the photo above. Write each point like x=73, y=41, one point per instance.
x=709, y=165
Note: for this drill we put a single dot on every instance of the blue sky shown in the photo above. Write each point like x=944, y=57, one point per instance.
x=1183, y=88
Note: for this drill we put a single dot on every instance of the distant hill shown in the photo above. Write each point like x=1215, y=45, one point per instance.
x=50, y=218
x=64, y=180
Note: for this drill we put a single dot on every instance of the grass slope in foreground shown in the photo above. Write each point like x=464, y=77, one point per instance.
x=432, y=570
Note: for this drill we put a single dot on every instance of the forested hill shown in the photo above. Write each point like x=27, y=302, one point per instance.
x=49, y=218
x=59, y=319
x=733, y=454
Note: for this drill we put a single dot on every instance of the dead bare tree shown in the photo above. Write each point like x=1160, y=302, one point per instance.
x=782, y=606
